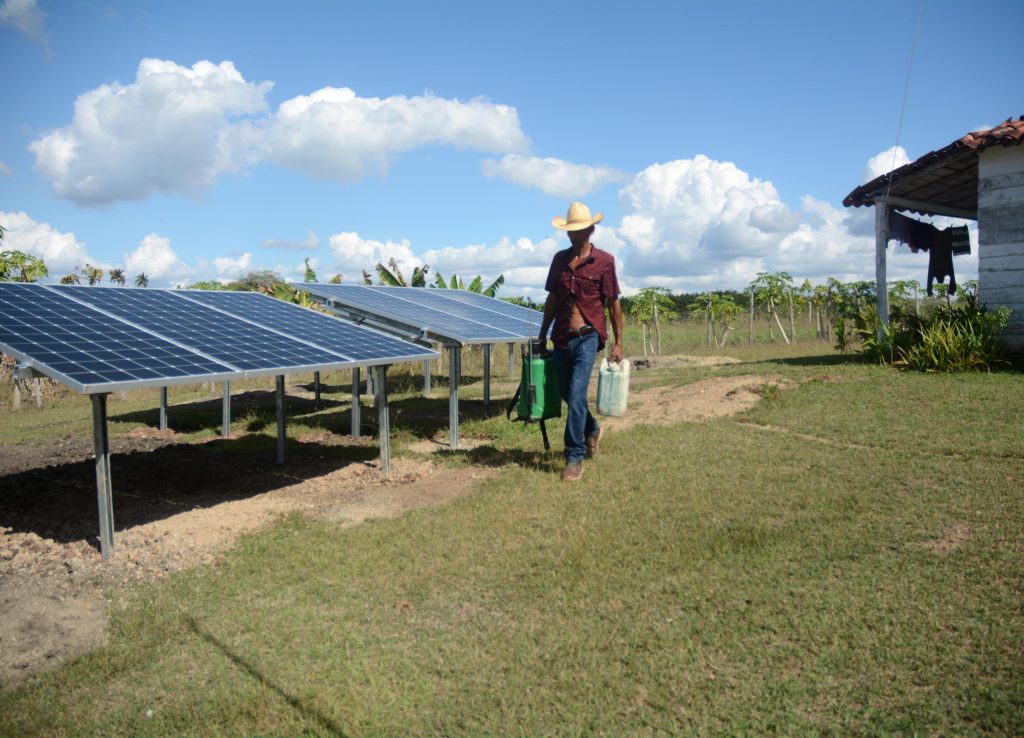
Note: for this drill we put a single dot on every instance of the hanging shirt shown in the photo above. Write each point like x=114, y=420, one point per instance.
x=940, y=245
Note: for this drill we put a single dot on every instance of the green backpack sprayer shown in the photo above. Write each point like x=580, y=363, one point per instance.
x=537, y=398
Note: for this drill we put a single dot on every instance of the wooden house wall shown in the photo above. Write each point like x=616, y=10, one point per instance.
x=1001, y=236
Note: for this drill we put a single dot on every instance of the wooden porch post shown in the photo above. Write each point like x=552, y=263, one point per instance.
x=881, y=240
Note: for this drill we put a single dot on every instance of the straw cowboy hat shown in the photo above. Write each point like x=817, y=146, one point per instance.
x=576, y=219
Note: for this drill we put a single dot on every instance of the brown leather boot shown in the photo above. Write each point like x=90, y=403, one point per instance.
x=573, y=471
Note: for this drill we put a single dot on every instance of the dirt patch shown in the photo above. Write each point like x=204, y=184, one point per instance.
x=710, y=398
x=51, y=591
x=180, y=505
x=681, y=360
x=956, y=537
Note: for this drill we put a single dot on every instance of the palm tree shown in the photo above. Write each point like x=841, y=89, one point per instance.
x=72, y=278
x=93, y=274
x=141, y=280
x=310, y=275
x=116, y=276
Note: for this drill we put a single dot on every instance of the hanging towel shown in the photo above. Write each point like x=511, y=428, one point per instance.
x=961, y=240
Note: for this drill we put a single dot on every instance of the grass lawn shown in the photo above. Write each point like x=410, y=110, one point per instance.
x=846, y=558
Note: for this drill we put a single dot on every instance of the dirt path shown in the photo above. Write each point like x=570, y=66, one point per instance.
x=179, y=507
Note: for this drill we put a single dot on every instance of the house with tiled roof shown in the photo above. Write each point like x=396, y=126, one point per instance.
x=980, y=176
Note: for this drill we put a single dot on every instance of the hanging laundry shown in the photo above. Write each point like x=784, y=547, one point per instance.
x=940, y=261
x=917, y=235
x=961, y=240
x=938, y=243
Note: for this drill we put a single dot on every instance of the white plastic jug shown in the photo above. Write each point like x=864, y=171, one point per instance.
x=613, y=388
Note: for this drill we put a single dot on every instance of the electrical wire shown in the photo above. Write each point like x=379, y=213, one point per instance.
x=906, y=90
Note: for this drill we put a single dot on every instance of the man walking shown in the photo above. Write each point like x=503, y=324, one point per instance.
x=581, y=284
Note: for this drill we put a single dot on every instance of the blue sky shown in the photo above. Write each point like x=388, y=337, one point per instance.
x=198, y=140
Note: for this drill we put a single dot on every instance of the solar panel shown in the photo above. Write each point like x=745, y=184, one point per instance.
x=532, y=317
x=439, y=300
x=356, y=342
x=225, y=338
x=387, y=304
x=89, y=351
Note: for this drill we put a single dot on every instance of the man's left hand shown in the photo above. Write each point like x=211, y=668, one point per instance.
x=616, y=356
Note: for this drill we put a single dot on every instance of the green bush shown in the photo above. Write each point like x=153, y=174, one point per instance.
x=957, y=336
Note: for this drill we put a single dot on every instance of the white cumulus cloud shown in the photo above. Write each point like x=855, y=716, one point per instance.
x=155, y=258
x=26, y=17
x=692, y=216
x=61, y=252
x=168, y=131
x=176, y=129
x=335, y=134
x=884, y=162
x=552, y=176
x=351, y=254
x=700, y=224
x=232, y=267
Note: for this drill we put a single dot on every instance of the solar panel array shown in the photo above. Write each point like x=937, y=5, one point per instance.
x=103, y=339
x=457, y=315
x=357, y=342
x=85, y=349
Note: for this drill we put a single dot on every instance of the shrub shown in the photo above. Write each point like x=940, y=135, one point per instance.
x=957, y=336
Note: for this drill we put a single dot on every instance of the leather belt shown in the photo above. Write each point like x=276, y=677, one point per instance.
x=583, y=330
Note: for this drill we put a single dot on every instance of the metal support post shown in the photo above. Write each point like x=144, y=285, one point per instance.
x=316, y=390
x=225, y=411
x=511, y=361
x=356, y=420
x=453, y=396
x=383, y=422
x=163, y=408
x=371, y=388
x=281, y=457
x=487, y=374
x=104, y=493
x=426, y=376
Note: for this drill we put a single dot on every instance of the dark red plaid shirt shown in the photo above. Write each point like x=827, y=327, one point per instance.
x=589, y=285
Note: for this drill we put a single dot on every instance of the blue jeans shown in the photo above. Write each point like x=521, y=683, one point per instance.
x=574, y=365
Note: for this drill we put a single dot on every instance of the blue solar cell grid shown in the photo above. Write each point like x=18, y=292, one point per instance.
x=439, y=300
x=243, y=345
x=355, y=342
x=493, y=304
x=386, y=304
x=90, y=351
